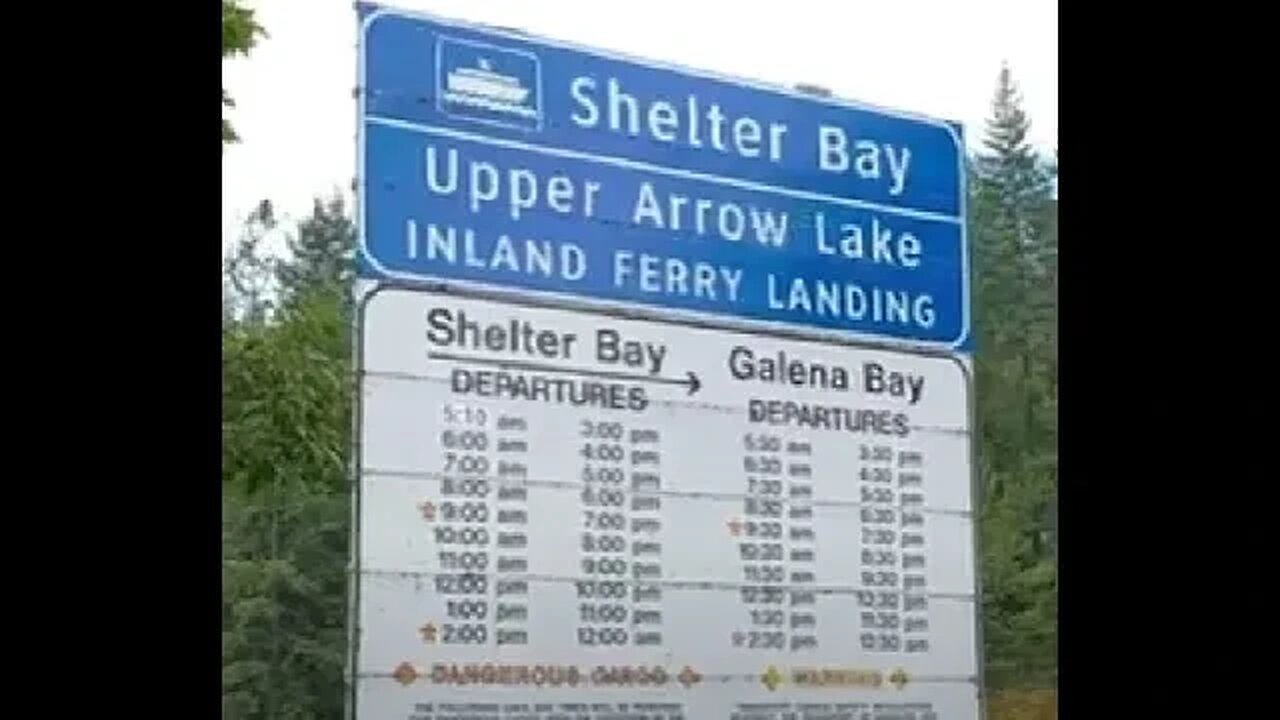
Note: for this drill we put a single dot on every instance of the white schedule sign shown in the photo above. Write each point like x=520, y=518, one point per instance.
x=571, y=515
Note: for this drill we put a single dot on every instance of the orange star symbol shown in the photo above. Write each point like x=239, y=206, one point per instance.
x=405, y=673
x=688, y=676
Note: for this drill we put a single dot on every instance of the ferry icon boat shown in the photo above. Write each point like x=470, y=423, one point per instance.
x=484, y=88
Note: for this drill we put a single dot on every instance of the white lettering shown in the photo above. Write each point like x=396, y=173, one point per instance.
x=677, y=277
x=770, y=229
x=560, y=194
x=483, y=184
x=665, y=120
x=851, y=301
x=578, y=89
x=880, y=243
x=486, y=183
x=649, y=273
x=897, y=168
x=504, y=255
x=653, y=274
x=692, y=105
x=732, y=223
x=832, y=153
x=704, y=280
x=619, y=101
x=589, y=202
x=833, y=156
x=909, y=250
x=820, y=234
x=867, y=164
x=441, y=245
x=703, y=206
x=647, y=207
x=886, y=247
x=411, y=239
x=532, y=257
x=524, y=191
x=716, y=118
x=433, y=182
x=677, y=202
x=746, y=136
x=730, y=219
x=776, y=131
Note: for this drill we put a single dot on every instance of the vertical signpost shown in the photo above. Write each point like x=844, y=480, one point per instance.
x=664, y=409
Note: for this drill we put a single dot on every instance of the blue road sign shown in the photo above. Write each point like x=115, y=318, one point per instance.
x=496, y=159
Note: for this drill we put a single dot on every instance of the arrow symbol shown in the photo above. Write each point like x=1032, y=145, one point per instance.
x=771, y=678
x=694, y=382
x=690, y=381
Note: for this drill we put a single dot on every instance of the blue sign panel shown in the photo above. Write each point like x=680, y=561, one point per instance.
x=501, y=160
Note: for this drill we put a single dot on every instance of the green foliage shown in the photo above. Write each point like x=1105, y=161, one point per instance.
x=1013, y=224
x=284, y=607
x=240, y=33
x=285, y=388
x=286, y=380
x=322, y=252
x=1020, y=704
x=249, y=276
x=286, y=374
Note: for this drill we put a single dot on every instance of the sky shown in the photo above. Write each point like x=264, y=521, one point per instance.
x=295, y=111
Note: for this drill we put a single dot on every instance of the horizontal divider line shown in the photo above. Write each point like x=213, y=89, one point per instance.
x=690, y=494
x=678, y=584
x=674, y=679
x=687, y=404
x=681, y=173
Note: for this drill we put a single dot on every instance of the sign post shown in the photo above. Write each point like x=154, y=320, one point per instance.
x=664, y=409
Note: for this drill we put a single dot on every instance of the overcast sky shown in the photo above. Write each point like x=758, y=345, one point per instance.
x=296, y=115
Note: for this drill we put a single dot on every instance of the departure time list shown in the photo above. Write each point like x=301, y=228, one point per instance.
x=574, y=515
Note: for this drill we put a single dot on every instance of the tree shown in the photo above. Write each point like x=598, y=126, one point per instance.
x=249, y=276
x=322, y=252
x=286, y=348
x=286, y=380
x=284, y=605
x=240, y=33
x=1014, y=228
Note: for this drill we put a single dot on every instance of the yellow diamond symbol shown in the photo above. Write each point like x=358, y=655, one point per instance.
x=771, y=678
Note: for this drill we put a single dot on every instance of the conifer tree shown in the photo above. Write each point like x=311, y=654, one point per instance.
x=322, y=250
x=1013, y=226
x=240, y=33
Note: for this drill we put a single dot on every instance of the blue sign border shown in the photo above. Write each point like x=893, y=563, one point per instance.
x=368, y=13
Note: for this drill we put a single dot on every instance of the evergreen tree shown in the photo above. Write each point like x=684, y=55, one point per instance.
x=240, y=33
x=322, y=250
x=1014, y=232
x=284, y=605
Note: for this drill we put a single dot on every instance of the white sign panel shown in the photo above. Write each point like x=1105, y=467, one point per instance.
x=570, y=515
